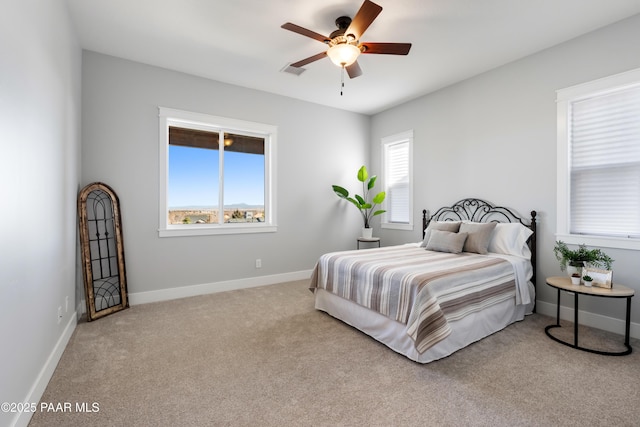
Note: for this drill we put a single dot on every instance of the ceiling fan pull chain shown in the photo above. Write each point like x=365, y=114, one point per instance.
x=342, y=80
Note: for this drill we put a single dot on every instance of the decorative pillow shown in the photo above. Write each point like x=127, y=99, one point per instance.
x=451, y=226
x=479, y=236
x=510, y=239
x=446, y=241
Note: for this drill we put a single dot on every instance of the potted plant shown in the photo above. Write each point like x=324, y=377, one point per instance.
x=587, y=280
x=366, y=207
x=574, y=260
x=575, y=279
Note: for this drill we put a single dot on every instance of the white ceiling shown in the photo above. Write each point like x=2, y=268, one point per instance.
x=240, y=41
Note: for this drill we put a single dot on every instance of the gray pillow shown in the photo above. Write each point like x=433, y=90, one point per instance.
x=451, y=226
x=479, y=236
x=446, y=241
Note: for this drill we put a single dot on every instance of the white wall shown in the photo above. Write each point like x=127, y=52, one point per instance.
x=494, y=137
x=39, y=173
x=317, y=146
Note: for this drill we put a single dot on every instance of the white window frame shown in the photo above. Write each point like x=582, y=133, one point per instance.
x=564, y=99
x=172, y=117
x=403, y=137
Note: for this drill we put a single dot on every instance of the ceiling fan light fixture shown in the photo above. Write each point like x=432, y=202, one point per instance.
x=343, y=54
x=344, y=45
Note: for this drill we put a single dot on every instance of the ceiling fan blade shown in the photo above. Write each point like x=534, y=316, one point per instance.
x=354, y=70
x=303, y=31
x=364, y=17
x=387, y=48
x=309, y=60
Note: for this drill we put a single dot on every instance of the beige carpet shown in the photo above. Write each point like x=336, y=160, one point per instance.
x=265, y=357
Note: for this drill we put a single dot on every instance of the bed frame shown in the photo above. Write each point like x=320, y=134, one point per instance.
x=478, y=210
x=466, y=330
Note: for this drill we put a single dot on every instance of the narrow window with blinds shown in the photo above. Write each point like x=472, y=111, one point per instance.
x=397, y=181
x=599, y=162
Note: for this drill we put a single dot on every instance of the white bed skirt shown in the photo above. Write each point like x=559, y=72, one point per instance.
x=393, y=334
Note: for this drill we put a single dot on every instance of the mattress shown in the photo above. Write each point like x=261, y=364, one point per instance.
x=341, y=280
x=394, y=334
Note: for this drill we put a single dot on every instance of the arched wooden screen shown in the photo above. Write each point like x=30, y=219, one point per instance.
x=102, y=251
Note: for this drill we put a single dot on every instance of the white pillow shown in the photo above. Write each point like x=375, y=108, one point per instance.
x=510, y=239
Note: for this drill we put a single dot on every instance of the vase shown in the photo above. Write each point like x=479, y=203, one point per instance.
x=575, y=280
x=367, y=233
x=587, y=282
x=572, y=270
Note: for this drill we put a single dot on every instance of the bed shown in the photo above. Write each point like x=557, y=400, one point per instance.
x=472, y=275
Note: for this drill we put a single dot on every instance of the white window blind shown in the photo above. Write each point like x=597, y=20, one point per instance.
x=397, y=167
x=604, y=158
x=397, y=175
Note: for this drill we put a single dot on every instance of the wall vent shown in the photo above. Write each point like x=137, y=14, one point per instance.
x=293, y=70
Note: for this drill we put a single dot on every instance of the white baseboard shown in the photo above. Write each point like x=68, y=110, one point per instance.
x=82, y=308
x=586, y=318
x=39, y=386
x=210, y=288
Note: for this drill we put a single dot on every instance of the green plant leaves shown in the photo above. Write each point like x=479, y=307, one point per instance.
x=595, y=257
x=360, y=201
x=341, y=192
x=363, y=175
x=379, y=198
x=372, y=182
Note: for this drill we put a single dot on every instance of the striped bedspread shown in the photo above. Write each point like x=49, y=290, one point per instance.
x=420, y=288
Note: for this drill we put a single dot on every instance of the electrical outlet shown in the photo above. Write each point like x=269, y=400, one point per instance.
x=258, y=263
x=59, y=314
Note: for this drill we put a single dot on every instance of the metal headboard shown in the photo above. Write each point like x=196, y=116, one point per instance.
x=478, y=210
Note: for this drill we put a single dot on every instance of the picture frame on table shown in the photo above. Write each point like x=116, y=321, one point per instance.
x=601, y=278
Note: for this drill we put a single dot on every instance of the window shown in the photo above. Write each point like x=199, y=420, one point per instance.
x=397, y=153
x=599, y=162
x=216, y=175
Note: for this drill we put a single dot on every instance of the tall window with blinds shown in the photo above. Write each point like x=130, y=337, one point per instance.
x=599, y=161
x=605, y=164
x=397, y=180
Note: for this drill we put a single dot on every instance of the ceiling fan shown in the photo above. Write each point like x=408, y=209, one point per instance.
x=344, y=43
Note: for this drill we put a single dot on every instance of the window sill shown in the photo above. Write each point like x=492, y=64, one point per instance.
x=601, y=241
x=196, y=230
x=397, y=226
